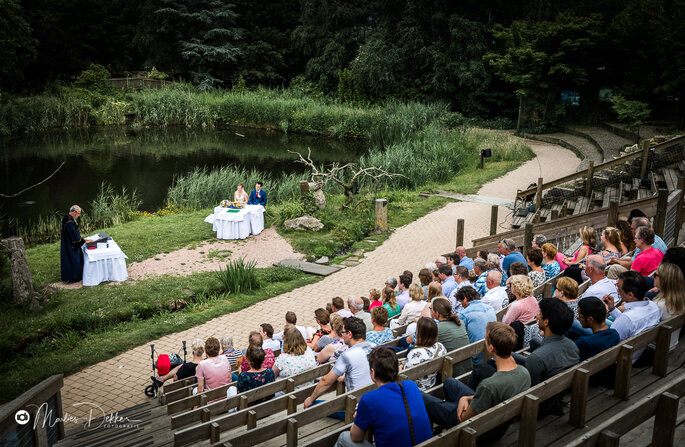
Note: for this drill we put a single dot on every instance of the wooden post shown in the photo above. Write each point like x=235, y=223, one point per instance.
x=205, y=415
x=350, y=405
x=645, y=158
x=588, y=180
x=242, y=403
x=214, y=432
x=612, y=218
x=22, y=285
x=548, y=290
x=292, y=404
x=468, y=437
x=339, y=388
x=623, y=368
x=447, y=368
x=663, y=345
x=381, y=216
x=660, y=218
x=608, y=438
x=665, y=420
x=529, y=420
x=460, y=232
x=251, y=419
x=482, y=161
x=527, y=238
x=291, y=435
x=538, y=195
x=579, y=397
x=289, y=385
x=681, y=212
x=493, y=219
x=203, y=399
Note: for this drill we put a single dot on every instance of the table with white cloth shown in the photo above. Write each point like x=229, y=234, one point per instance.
x=237, y=224
x=105, y=263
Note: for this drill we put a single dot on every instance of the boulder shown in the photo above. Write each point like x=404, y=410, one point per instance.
x=322, y=260
x=304, y=223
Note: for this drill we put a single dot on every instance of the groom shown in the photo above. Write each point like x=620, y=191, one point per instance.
x=257, y=197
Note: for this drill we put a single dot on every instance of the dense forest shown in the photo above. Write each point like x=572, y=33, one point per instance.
x=548, y=59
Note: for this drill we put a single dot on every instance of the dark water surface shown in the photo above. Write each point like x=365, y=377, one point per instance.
x=145, y=160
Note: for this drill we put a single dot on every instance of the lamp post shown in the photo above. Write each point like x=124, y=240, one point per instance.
x=484, y=153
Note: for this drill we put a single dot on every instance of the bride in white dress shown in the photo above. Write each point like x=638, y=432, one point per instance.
x=240, y=195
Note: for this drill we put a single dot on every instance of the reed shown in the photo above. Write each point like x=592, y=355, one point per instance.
x=239, y=276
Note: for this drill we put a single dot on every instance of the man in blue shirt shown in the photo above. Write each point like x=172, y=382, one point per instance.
x=592, y=315
x=387, y=409
x=257, y=196
x=476, y=315
x=464, y=260
x=507, y=247
x=448, y=282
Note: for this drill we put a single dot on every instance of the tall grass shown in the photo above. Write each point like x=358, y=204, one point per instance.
x=108, y=208
x=239, y=276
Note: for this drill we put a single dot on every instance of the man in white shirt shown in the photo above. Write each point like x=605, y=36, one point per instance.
x=461, y=277
x=338, y=306
x=267, y=333
x=639, y=315
x=403, y=285
x=496, y=294
x=595, y=269
x=291, y=318
x=356, y=306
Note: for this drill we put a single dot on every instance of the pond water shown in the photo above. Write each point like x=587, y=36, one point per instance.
x=146, y=160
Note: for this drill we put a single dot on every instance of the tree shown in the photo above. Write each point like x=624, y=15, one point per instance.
x=204, y=34
x=632, y=113
x=539, y=59
x=17, y=46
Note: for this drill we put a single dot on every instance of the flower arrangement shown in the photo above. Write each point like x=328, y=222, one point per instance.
x=232, y=205
x=224, y=203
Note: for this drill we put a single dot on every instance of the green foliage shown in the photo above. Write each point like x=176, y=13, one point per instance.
x=205, y=36
x=95, y=79
x=631, y=113
x=156, y=74
x=17, y=45
x=347, y=91
x=238, y=277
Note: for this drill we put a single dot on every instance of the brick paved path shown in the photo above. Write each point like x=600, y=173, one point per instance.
x=118, y=383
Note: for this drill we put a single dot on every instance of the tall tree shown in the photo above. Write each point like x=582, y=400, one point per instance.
x=17, y=46
x=205, y=36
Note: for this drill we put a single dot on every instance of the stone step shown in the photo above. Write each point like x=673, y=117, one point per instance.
x=310, y=267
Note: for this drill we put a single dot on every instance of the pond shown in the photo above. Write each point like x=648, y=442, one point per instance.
x=146, y=160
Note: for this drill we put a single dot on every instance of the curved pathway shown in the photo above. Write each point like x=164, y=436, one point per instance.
x=118, y=383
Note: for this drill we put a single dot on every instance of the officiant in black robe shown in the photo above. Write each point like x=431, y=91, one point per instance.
x=71, y=255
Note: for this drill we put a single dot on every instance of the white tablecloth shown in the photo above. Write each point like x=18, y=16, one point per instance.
x=103, y=263
x=231, y=225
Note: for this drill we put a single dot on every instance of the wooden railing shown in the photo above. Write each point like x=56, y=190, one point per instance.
x=43, y=404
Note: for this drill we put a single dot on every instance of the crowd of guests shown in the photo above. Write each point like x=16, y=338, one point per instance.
x=631, y=284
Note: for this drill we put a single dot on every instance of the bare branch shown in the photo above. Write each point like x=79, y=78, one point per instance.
x=33, y=186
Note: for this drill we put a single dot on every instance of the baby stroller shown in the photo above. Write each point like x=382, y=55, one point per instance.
x=163, y=364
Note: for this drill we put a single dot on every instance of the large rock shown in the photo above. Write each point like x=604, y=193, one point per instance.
x=304, y=223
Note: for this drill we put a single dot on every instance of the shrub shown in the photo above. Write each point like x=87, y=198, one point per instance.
x=96, y=79
x=239, y=276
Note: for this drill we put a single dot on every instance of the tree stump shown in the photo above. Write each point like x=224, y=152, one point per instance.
x=22, y=285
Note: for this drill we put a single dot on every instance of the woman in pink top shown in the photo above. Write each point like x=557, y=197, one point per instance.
x=649, y=257
x=375, y=298
x=589, y=238
x=526, y=307
x=215, y=370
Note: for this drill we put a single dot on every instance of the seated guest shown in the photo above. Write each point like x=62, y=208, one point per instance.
x=267, y=333
x=551, y=266
x=390, y=302
x=535, y=273
x=255, y=339
x=412, y=310
x=481, y=271
x=215, y=370
x=447, y=279
x=356, y=305
x=391, y=282
x=592, y=315
x=483, y=254
x=507, y=248
x=494, y=264
x=352, y=364
x=451, y=332
x=589, y=238
x=374, y=299
x=229, y=351
x=464, y=260
x=385, y=410
x=380, y=334
x=525, y=307
x=403, y=286
x=625, y=233
x=619, y=265
x=475, y=315
x=516, y=268
x=639, y=314
x=441, y=260
x=538, y=241
x=322, y=318
x=595, y=269
x=333, y=345
x=185, y=370
x=675, y=255
x=611, y=244
x=462, y=403
x=434, y=291
x=338, y=306
x=567, y=291
x=461, y=278
x=240, y=195
x=496, y=296
x=425, y=277
x=291, y=320
x=649, y=257
x=296, y=357
x=257, y=196
x=426, y=347
x=453, y=260
x=257, y=374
